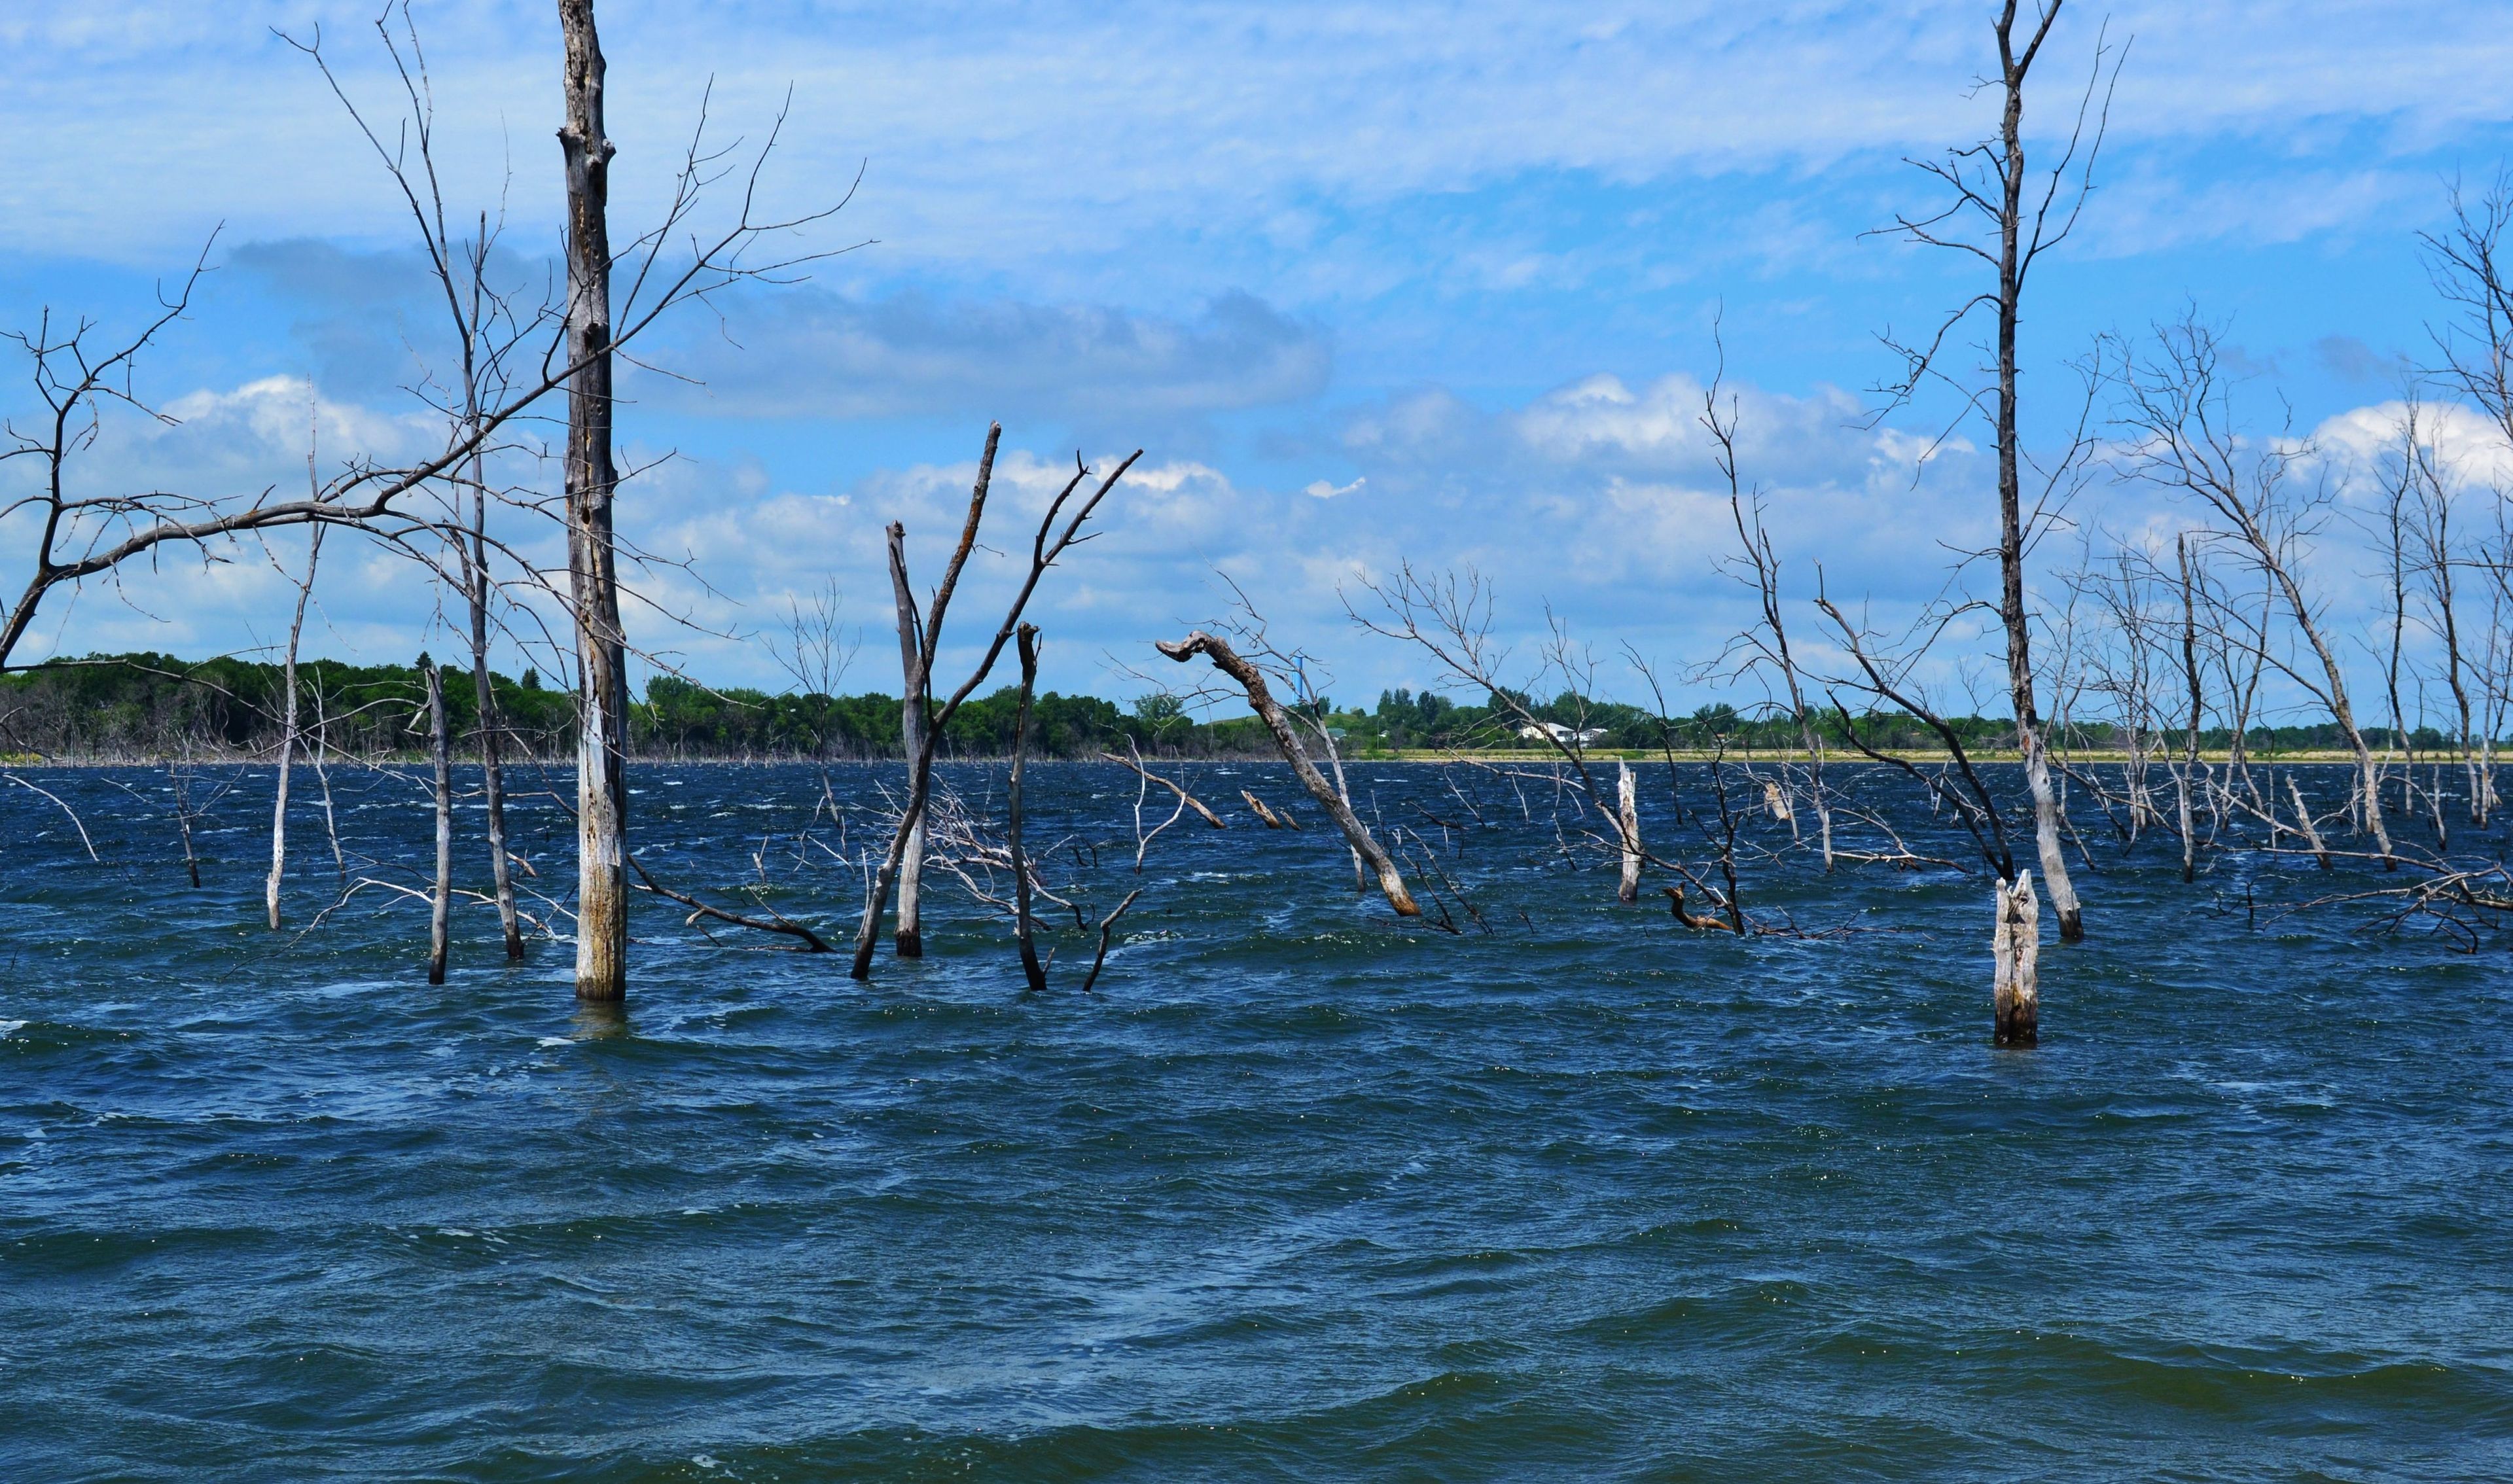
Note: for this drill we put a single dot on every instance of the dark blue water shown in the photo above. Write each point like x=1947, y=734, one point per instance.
x=1301, y=1193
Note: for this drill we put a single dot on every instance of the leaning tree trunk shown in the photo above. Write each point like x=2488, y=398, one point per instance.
x=602, y=668
x=1022, y=929
x=914, y=717
x=2369, y=774
x=440, y=747
x=1262, y=699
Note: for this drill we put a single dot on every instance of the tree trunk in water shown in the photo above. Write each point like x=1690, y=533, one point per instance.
x=1261, y=699
x=1027, y=640
x=440, y=747
x=914, y=717
x=2304, y=817
x=2017, y=993
x=1627, y=804
x=2198, y=705
x=182, y=785
x=2011, y=528
x=288, y=724
x=602, y=678
x=493, y=781
x=279, y=801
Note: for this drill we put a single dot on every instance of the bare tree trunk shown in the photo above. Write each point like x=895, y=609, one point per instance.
x=2017, y=994
x=323, y=779
x=1261, y=699
x=2304, y=817
x=914, y=700
x=602, y=667
x=2198, y=712
x=1027, y=640
x=182, y=785
x=2368, y=776
x=491, y=768
x=1627, y=802
x=288, y=728
x=1049, y=545
x=440, y=747
x=2011, y=527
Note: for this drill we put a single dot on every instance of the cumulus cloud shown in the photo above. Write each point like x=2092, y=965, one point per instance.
x=1599, y=500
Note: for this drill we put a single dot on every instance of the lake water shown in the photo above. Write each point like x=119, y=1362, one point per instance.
x=1301, y=1193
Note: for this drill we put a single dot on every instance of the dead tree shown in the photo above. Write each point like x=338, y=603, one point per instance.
x=288, y=730
x=1451, y=619
x=1046, y=547
x=1025, y=640
x=1887, y=676
x=1992, y=193
x=440, y=749
x=2438, y=558
x=1134, y=760
x=1766, y=646
x=2190, y=764
x=1627, y=810
x=581, y=339
x=2016, y=993
x=915, y=706
x=1260, y=699
x=592, y=557
x=2178, y=418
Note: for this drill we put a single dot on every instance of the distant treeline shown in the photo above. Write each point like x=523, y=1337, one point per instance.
x=136, y=706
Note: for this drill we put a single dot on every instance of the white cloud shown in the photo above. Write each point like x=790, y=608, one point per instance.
x=1600, y=499
x=142, y=122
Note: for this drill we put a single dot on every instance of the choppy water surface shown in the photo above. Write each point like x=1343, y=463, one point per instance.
x=1301, y=1193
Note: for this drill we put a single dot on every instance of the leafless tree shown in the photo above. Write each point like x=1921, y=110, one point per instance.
x=1764, y=645
x=2178, y=417
x=1997, y=213
x=1049, y=544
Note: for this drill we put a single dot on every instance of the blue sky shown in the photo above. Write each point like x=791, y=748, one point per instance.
x=1459, y=263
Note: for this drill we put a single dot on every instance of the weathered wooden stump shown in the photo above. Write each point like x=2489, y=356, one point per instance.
x=2016, y=996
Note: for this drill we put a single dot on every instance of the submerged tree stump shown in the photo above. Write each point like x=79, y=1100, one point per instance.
x=2016, y=996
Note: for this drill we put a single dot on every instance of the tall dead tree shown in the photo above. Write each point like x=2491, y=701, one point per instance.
x=592, y=556
x=1992, y=191
x=487, y=331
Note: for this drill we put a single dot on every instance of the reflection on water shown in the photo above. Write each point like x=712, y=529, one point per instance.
x=1303, y=1192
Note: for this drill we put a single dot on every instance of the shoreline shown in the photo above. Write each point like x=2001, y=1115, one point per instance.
x=1494, y=756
